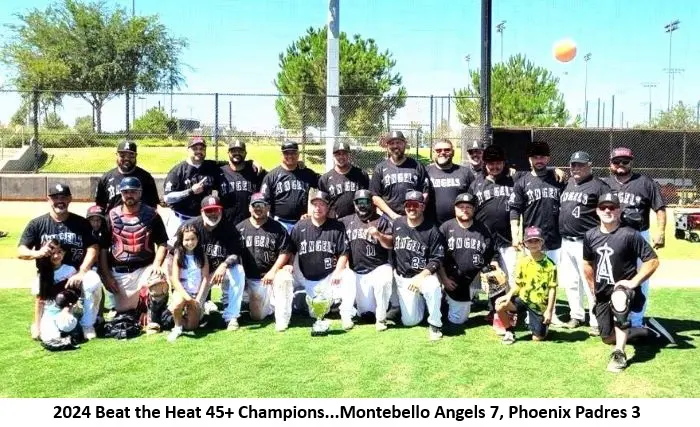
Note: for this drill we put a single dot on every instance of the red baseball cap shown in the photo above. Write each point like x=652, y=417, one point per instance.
x=211, y=203
x=621, y=152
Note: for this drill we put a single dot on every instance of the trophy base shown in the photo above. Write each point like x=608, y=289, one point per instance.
x=320, y=328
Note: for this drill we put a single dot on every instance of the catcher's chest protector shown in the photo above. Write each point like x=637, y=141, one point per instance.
x=131, y=234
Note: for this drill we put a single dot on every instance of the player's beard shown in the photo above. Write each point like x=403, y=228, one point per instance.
x=211, y=223
x=444, y=161
x=620, y=171
x=236, y=159
x=364, y=213
x=130, y=202
x=126, y=166
x=59, y=208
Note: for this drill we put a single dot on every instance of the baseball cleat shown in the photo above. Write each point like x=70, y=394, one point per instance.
x=618, y=361
x=89, y=333
x=435, y=333
x=381, y=326
x=233, y=325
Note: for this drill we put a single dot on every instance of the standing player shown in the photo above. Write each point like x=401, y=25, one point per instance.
x=469, y=249
x=610, y=253
x=448, y=181
x=321, y=253
x=188, y=183
x=370, y=239
x=75, y=233
x=238, y=180
x=266, y=255
x=638, y=194
x=395, y=176
x=138, y=246
x=342, y=182
x=107, y=195
x=419, y=249
x=577, y=215
x=475, y=150
x=286, y=187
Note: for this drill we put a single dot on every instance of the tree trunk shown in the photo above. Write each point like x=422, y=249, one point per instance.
x=98, y=116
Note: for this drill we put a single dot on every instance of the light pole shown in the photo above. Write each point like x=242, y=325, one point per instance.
x=586, y=58
x=670, y=28
x=649, y=85
x=133, y=98
x=499, y=28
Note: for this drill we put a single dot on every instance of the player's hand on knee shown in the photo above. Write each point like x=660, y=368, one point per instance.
x=449, y=284
x=268, y=278
x=626, y=283
x=112, y=286
x=75, y=281
x=218, y=277
x=659, y=242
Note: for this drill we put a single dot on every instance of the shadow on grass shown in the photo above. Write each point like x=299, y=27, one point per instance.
x=647, y=350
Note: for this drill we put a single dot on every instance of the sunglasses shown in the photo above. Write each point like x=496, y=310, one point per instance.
x=443, y=150
x=607, y=208
x=412, y=205
x=621, y=162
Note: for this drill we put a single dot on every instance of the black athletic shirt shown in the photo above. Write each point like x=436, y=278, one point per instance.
x=415, y=248
x=445, y=186
x=108, y=196
x=235, y=189
x=492, y=209
x=579, y=201
x=640, y=192
x=614, y=255
x=287, y=192
x=467, y=251
x=318, y=248
x=392, y=182
x=537, y=199
x=219, y=243
x=366, y=253
x=341, y=189
x=262, y=245
x=75, y=233
x=183, y=176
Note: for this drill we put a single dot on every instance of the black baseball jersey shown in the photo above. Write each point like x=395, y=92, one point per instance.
x=577, y=213
x=366, y=253
x=318, y=248
x=537, y=199
x=287, y=192
x=614, y=255
x=262, y=246
x=415, y=247
x=219, y=243
x=392, y=182
x=235, y=189
x=446, y=185
x=107, y=194
x=75, y=233
x=183, y=176
x=341, y=189
x=492, y=209
x=102, y=237
x=467, y=251
x=640, y=192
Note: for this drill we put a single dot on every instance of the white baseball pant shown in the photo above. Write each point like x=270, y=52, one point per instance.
x=413, y=306
x=234, y=281
x=637, y=318
x=172, y=223
x=344, y=292
x=91, y=294
x=266, y=300
x=373, y=291
x=458, y=311
x=129, y=284
x=573, y=279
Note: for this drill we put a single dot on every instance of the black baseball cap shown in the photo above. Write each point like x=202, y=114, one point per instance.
x=494, y=153
x=466, y=198
x=211, y=203
x=538, y=148
x=290, y=146
x=196, y=140
x=394, y=135
x=414, y=196
x=257, y=198
x=474, y=145
x=236, y=144
x=362, y=194
x=580, y=157
x=59, y=189
x=127, y=145
x=341, y=146
x=320, y=195
x=609, y=199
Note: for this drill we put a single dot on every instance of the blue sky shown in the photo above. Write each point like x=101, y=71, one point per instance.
x=234, y=48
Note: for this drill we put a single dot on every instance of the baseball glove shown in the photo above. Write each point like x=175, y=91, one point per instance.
x=192, y=314
x=493, y=281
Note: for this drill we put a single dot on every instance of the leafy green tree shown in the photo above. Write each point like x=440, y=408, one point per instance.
x=83, y=125
x=681, y=117
x=53, y=121
x=153, y=121
x=89, y=51
x=365, y=72
x=522, y=94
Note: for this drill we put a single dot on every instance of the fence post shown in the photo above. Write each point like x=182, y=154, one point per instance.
x=303, y=127
x=128, y=131
x=216, y=127
x=685, y=146
x=431, y=122
x=612, y=113
x=35, y=138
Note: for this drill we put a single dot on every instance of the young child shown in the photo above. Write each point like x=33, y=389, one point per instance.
x=98, y=222
x=53, y=306
x=190, y=272
x=534, y=291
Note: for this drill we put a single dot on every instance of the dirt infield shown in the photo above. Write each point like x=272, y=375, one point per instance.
x=671, y=273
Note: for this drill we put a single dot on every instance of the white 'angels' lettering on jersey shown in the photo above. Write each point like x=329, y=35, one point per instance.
x=311, y=246
x=629, y=199
x=410, y=245
x=604, y=269
x=490, y=193
x=399, y=178
x=285, y=186
x=541, y=193
x=574, y=196
x=214, y=251
x=343, y=187
x=465, y=243
x=446, y=182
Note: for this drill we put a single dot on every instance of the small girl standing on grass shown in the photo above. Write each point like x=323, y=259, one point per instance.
x=190, y=273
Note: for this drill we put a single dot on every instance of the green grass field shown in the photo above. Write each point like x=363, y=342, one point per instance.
x=258, y=362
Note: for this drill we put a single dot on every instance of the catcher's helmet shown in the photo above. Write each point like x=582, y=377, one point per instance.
x=130, y=183
x=362, y=194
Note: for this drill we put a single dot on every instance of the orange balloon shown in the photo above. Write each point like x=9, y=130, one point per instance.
x=565, y=50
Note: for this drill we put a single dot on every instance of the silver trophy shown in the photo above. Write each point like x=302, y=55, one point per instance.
x=319, y=306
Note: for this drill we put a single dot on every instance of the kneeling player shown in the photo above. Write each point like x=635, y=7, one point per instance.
x=534, y=291
x=469, y=249
x=321, y=252
x=419, y=250
x=610, y=254
x=370, y=240
x=266, y=254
